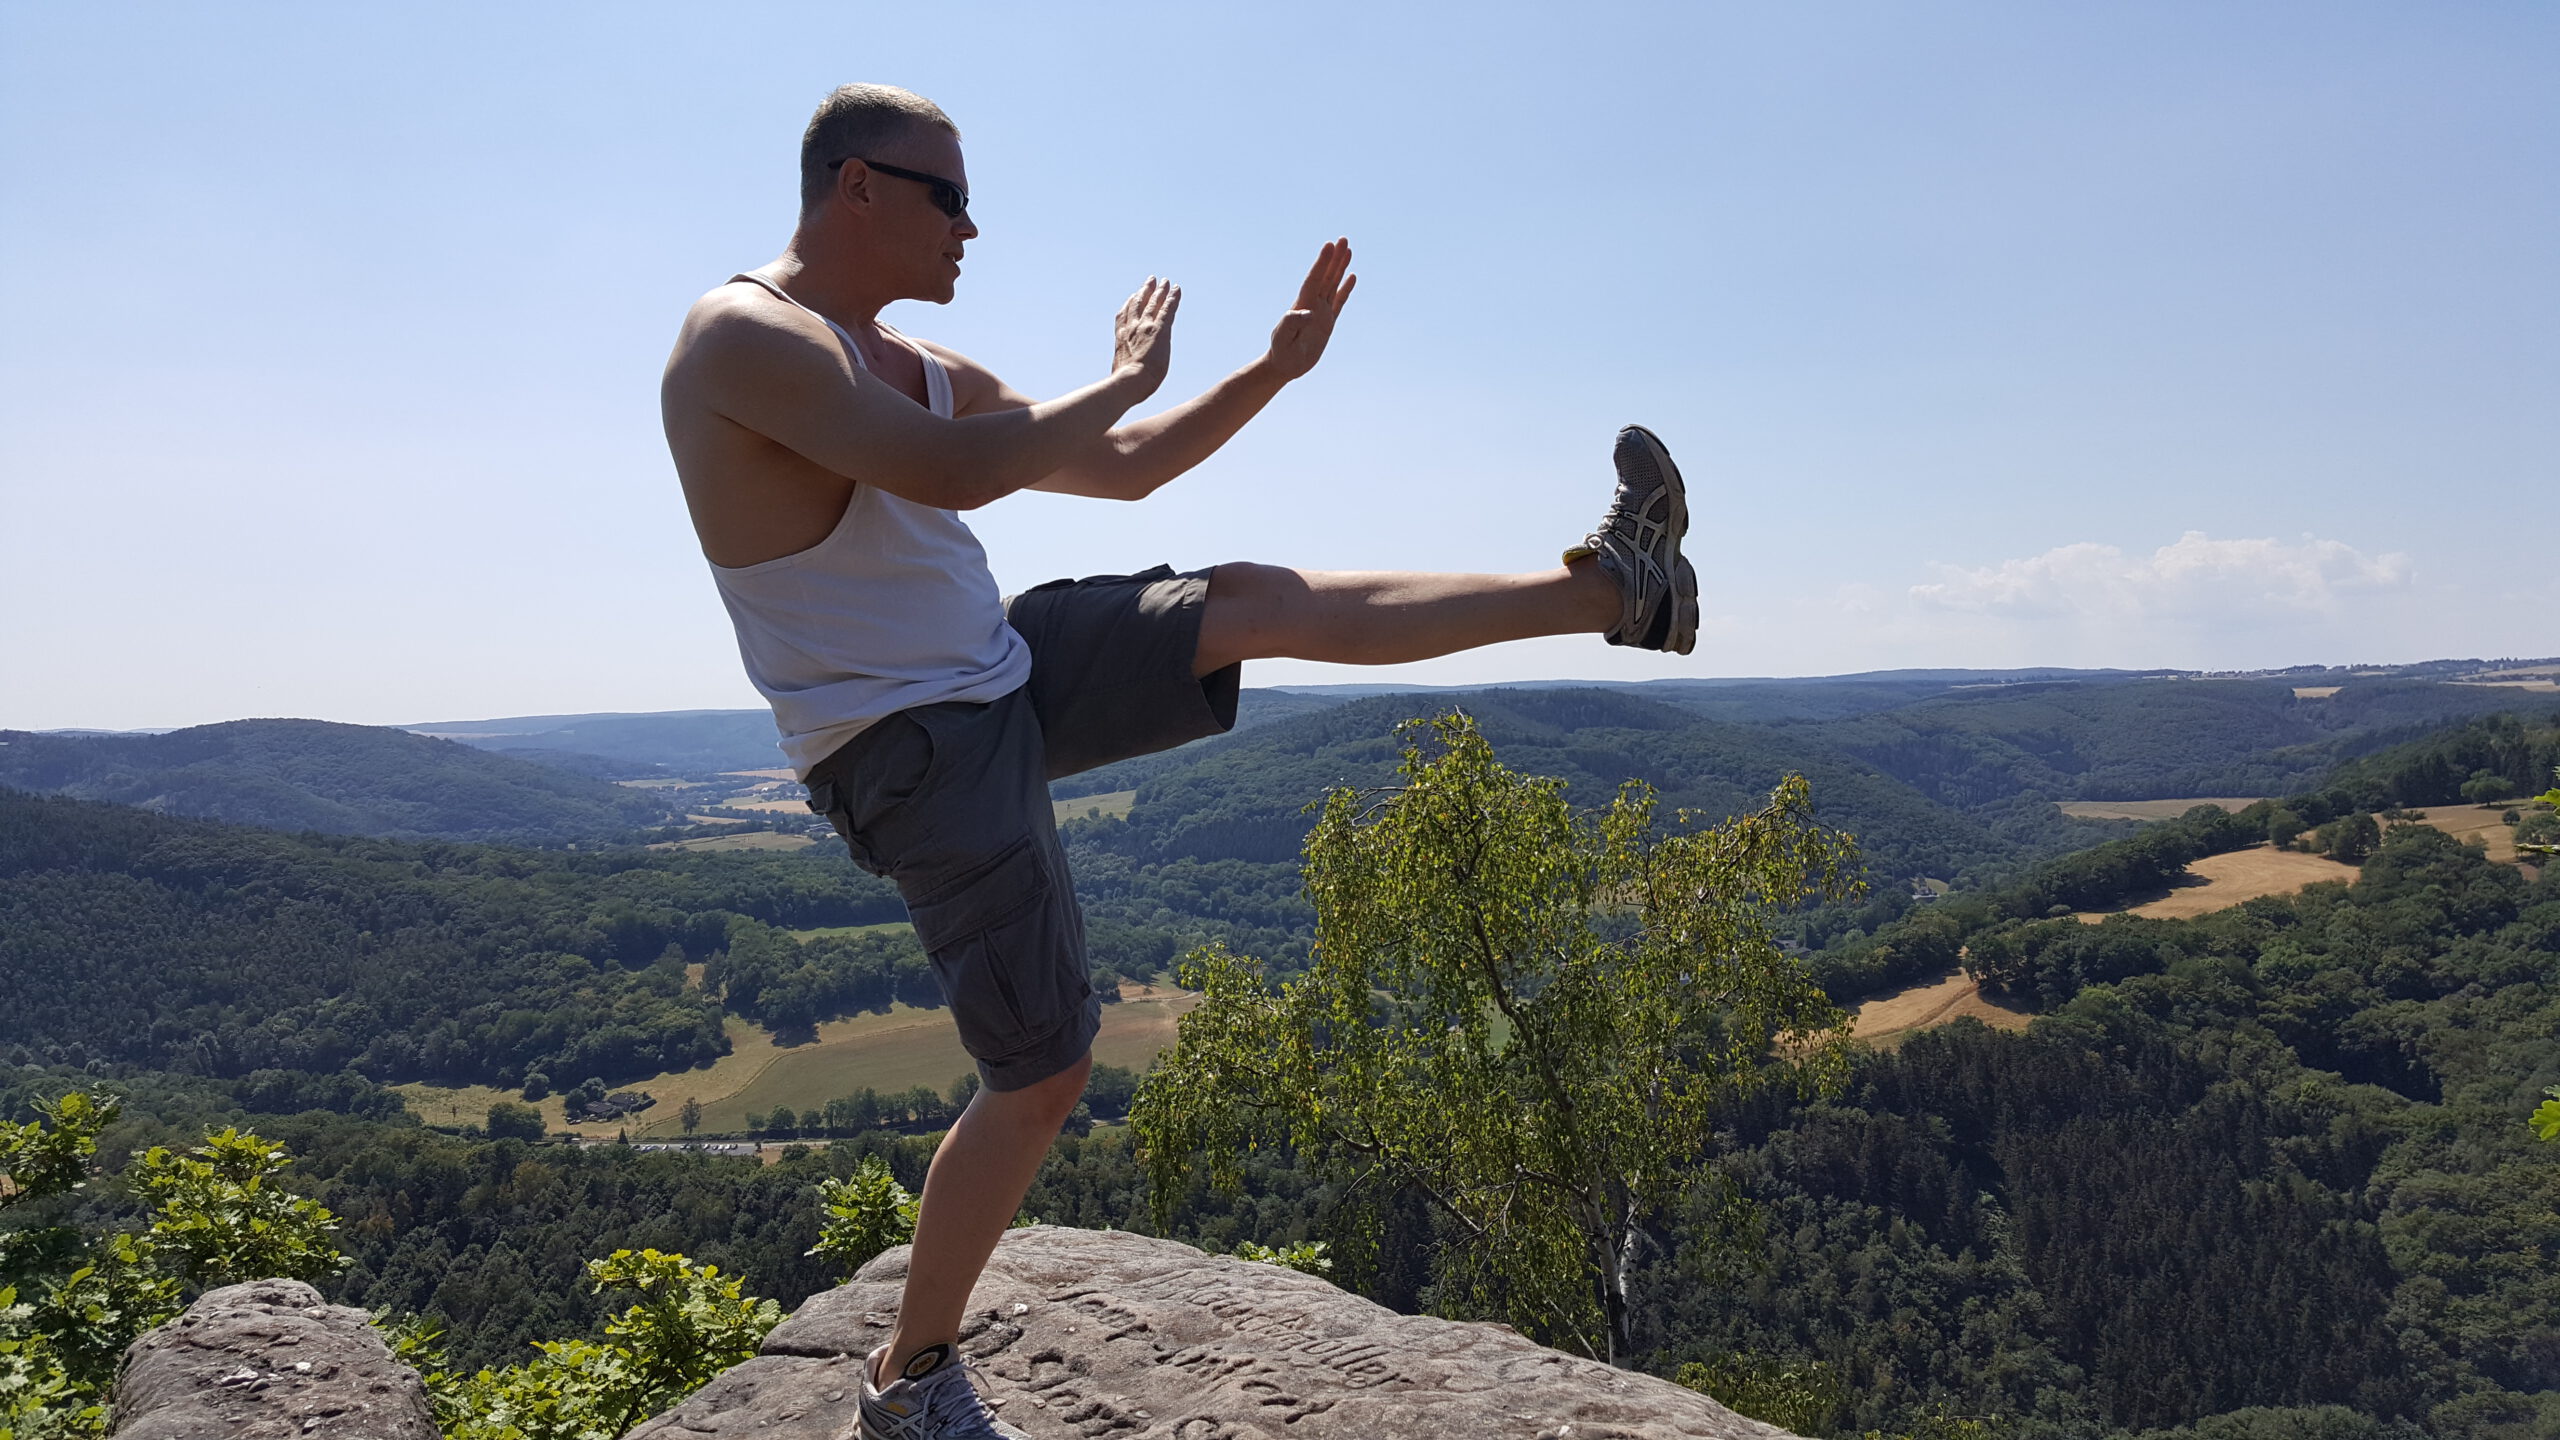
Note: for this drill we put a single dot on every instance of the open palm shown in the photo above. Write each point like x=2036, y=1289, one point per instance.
x=1298, y=341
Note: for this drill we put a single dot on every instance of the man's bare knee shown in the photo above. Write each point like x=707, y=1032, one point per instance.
x=1247, y=602
x=1056, y=1096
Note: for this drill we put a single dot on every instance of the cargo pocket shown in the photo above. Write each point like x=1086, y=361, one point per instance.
x=868, y=799
x=1001, y=953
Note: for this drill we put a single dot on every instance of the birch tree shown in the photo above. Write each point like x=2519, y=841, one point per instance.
x=1530, y=1015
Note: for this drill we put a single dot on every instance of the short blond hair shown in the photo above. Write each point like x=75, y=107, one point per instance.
x=853, y=122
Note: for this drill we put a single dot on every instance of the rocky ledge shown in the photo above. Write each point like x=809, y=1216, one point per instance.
x=1098, y=1334
x=265, y=1361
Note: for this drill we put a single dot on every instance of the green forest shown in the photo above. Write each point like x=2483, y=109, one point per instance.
x=2261, y=1175
x=343, y=779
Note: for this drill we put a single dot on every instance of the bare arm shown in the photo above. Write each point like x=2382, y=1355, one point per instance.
x=1131, y=461
x=787, y=378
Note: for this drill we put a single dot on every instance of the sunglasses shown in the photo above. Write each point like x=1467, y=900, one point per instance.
x=948, y=198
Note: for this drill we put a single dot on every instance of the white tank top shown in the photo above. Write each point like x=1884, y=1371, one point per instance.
x=894, y=609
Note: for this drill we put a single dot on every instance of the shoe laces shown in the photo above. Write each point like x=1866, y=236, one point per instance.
x=951, y=1393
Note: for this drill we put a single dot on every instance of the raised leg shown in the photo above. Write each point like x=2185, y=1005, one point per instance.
x=1384, y=617
x=979, y=1176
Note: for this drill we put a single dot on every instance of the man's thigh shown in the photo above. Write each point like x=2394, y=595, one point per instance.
x=951, y=802
x=1111, y=666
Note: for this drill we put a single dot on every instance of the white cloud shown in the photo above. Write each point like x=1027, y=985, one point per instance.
x=2197, y=577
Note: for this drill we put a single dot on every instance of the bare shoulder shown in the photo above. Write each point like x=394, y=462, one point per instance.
x=741, y=314
x=737, y=332
x=975, y=389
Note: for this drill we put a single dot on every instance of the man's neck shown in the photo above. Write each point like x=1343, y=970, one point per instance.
x=835, y=290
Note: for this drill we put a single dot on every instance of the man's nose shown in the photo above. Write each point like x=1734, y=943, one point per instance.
x=964, y=227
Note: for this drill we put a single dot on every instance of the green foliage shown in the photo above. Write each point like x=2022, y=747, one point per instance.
x=2546, y=1116
x=865, y=1213
x=211, y=949
x=689, y=1325
x=1530, y=1016
x=70, y=1303
x=2350, y=839
x=1307, y=1257
x=52, y=1154
x=510, y=1121
x=344, y=779
x=220, y=1218
x=2540, y=840
x=1790, y=1395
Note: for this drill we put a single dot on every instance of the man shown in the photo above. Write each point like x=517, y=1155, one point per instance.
x=825, y=458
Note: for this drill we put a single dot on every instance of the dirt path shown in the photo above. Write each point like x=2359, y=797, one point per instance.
x=1887, y=1020
x=2466, y=823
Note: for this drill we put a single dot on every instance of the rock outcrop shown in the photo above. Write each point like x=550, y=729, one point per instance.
x=265, y=1361
x=1095, y=1334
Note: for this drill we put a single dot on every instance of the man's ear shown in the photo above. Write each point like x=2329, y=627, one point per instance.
x=853, y=184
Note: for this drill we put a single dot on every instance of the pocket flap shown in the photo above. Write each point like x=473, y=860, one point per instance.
x=992, y=893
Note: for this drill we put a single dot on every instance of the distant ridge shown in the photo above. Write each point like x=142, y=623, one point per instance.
x=319, y=775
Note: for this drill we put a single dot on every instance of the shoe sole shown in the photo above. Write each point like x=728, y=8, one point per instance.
x=1683, y=599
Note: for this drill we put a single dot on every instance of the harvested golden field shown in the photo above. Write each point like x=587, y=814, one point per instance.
x=1113, y=806
x=749, y=840
x=764, y=774
x=2315, y=692
x=750, y=1050
x=2218, y=882
x=791, y=805
x=898, y=1050
x=2149, y=809
x=902, y=1049
x=2467, y=823
x=883, y=928
x=1887, y=1020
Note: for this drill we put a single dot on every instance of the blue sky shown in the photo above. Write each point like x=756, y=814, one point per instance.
x=2208, y=335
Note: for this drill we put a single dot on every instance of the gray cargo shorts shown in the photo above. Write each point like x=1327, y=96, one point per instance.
x=952, y=802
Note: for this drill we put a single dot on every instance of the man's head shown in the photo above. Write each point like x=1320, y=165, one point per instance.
x=881, y=167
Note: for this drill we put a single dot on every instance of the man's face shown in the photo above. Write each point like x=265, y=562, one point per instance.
x=914, y=234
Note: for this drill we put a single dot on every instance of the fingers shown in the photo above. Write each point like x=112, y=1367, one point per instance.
x=1325, y=275
x=1155, y=299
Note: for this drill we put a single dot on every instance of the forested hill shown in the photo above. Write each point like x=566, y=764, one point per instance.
x=2148, y=739
x=315, y=775
x=1954, y=784
x=217, y=949
x=1245, y=799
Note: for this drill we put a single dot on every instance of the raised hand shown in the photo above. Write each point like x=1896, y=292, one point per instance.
x=1142, y=336
x=1298, y=341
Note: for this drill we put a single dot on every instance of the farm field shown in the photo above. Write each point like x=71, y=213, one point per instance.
x=2149, y=809
x=1113, y=805
x=748, y=840
x=905, y=1048
x=750, y=1049
x=885, y=927
x=2219, y=882
x=1887, y=1020
x=898, y=1050
x=2472, y=822
x=2315, y=692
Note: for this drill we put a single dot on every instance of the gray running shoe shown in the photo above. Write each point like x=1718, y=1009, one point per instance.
x=931, y=1399
x=1639, y=542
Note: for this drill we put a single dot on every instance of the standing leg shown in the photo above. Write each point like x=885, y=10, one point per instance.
x=980, y=1173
